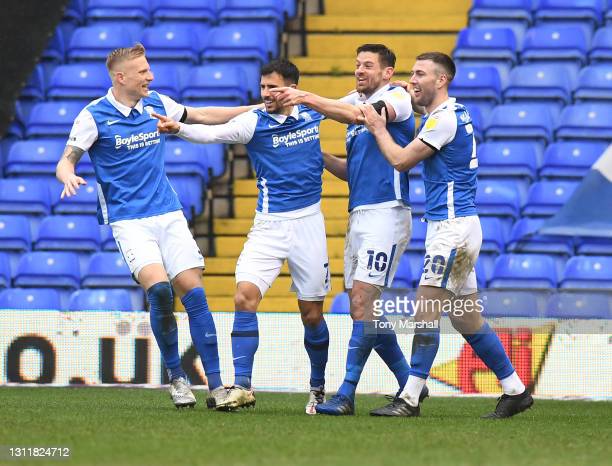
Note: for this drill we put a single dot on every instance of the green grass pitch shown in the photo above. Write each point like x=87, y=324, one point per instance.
x=121, y=426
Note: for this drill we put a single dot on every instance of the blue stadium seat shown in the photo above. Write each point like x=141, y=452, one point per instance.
x=341, y=304
x=570, y=159
x=508, y=159
x=580, y=305
x=586, y=121
x=601, y=47
x=248, y=10
x=167, y=78
x=492, y=235
x=25, y=196
x=79, y=233
x=593, y=246
x=484, y=268
x=594, y=83
x=417, y=196
x=477, y=114
x=540, y=82
x=75, y=12
x=172, y=41
x=184, y=158
x=222, y=81
x=514, y=303
x=184, y=10
x=517, y=271
x=52, y=119
x=5, y=270
x=35, y=157
x=15, y=233
x=419, y=233
x=55, y=51
x=588, y=272
x=85, y=201
x=403, y=275
x=234, y=41
x=503, y=10
x=521, y=121
x=93, y=43
x=108, y=241
x=588, y=12
x=35, y=86
x=100, y=300
x=30, y=298
x=495, y=45
x=524, y=239
x=48, y=269
x=545, y=198
x=185, y=194
x=108, y=270
x=556, y=42
x=215, y=154
x=497, y=198
x=476, y=83
x=79, y=81
x=290, y=7
x=113, y=10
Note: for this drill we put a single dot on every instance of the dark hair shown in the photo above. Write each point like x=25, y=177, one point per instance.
x=441, y=59
x=385, y=54
x=285, y=68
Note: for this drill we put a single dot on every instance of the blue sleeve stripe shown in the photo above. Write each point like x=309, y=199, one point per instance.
x=449, y=266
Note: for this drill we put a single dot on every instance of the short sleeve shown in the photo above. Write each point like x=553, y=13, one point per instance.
x=439, y=129
x=84, y=131
x=174, y=110
x=401, y=102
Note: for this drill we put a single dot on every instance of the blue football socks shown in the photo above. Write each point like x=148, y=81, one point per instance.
x=487, y=345
x=245, y=340
x=316, y=342
x=390, y=352
x=424, y=349
x=359, y=348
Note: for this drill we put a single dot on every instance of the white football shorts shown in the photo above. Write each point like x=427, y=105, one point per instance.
x=451, y=249
x=375, y=242
x=300, y=241
x=162, y=239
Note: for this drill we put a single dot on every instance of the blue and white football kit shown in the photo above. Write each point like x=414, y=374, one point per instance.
x=454, y=235
x=380, y=221
x=286, y=155
x=134, y=194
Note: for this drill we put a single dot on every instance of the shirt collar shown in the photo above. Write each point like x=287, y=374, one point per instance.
x=124, y=109
x=376, y=96
x=295, y=113
x=450, y=100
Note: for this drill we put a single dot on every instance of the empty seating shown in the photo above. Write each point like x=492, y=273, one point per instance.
x=524, y=271
x=92, y=43
x=84, y=202
x=100, y=300
x=545, y=198
x=184, y=10
x=172, y=41
x=521, y=121
x=594, y=83
x=476, y=83
x=5, y=270
x=537, y=82
x=68, y=233
x=52, y=119
x=586, y=121
x=504, y=10
x=35, y=86
x=508, y=159
x=183, y=158
x=131, y=10
x=588, y=272
x=166, y=78
x=26, y=196
x=492, y=235
x=108, y=242
x=403, y=275
x=236, y=42
x=341, y=304
x=108, y=270
x=419, y=233
x=249, y=10
x=55, y=50
x=601, y=48
x=499, y=198
x=48, y=269
x=579, y=305
x=514, y=303
x=216, y=81
x=35, y=157
x=417, y=196
x=555, y=42
x=570, y=159
x=524, y=239
x=79, y=81
x=30, y=298
x=588, y=12
x=15, y=233
x=487, y=44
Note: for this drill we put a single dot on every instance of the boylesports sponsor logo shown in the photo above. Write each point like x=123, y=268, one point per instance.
x=355, y=131
x=293, y=138
x=135, y=141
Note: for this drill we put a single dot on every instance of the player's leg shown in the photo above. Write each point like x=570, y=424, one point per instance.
x=309, y=267
x=138, y=245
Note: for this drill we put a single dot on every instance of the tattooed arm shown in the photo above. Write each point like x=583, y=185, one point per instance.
x=65, y=171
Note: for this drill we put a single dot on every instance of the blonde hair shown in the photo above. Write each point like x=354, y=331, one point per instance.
x=123, y=54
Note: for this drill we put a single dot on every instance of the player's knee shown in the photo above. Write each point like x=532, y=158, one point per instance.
x=312, y=317
x=160, y=296
x=245, y=300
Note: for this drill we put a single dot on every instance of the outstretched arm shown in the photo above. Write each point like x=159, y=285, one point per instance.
x=334, y=109
x=336, y=166
x=400, y=158
x=214, y=115
x=65, y=171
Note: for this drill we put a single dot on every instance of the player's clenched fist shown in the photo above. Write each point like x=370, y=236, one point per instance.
x=166, y=125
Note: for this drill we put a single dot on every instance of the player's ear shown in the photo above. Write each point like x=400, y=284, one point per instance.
x=294, y=86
